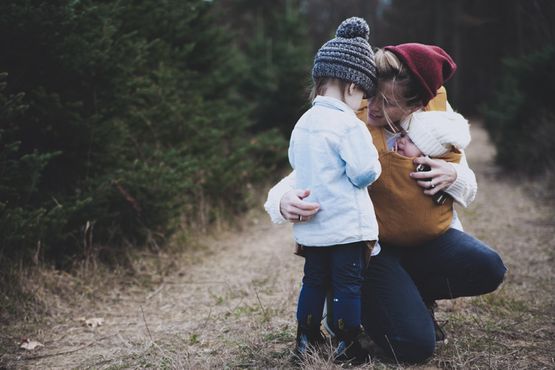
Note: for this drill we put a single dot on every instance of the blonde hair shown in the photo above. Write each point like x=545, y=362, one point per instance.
x=391, y=69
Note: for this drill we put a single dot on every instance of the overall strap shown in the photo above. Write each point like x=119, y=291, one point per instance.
x=439, y=102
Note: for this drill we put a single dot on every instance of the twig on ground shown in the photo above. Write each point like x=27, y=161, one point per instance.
x=208, y=318
x=260, y=302
x=60, y=353
x=147, y=329
x=155, y=292
x=70, y=351
x=194, y=282
x=10, y=337
x=237, y=305
x=392, y=350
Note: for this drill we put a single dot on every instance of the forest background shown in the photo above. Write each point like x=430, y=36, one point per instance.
x=123, y=122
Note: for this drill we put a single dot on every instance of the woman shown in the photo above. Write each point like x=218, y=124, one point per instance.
x=401, y=284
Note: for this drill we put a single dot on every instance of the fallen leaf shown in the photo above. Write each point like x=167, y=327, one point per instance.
x=30, y=344
x=93, y=322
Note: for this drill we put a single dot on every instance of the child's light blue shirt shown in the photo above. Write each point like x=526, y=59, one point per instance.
x=332, y=154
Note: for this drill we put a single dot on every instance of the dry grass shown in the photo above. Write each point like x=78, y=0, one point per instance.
x=230, y=301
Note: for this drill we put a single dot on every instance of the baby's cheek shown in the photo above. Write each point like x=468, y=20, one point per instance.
x=412, y=151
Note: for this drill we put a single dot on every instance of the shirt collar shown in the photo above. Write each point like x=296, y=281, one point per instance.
x=332, y=103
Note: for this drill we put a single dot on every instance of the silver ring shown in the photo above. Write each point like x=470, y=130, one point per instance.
x=432, y=184
x=300, y=218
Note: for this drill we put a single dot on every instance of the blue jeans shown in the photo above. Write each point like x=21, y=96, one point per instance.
x=400, y=282
x=339, y=267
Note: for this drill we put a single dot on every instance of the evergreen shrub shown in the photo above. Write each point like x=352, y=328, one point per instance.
x=520, y=118
x=119, y=120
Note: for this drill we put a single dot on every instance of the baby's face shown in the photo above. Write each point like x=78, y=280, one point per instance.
x=406, y=147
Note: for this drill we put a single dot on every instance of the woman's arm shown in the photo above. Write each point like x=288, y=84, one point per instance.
x=285, y=203
x=457, y=180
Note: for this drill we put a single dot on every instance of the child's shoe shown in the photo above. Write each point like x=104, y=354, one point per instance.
x=353, y=347
x=307, y=338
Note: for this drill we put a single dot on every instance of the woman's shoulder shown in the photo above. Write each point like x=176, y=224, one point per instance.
x=439, y=102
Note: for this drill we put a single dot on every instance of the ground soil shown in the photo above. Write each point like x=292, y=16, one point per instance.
x=230, y=302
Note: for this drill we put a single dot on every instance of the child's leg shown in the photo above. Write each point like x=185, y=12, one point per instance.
x=347, y=263
x=313, y=292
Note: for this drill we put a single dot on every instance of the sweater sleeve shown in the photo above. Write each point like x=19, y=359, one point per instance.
x=274, y=198
x=464, y=189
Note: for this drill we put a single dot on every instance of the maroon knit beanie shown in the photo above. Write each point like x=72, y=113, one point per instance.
x=430, y=64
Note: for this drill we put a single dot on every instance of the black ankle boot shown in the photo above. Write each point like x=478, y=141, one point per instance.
x=441, y=336
x=302, y=344
x=307, y=337
x=353, y=347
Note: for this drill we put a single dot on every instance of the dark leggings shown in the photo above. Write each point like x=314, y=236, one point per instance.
x=399, y=282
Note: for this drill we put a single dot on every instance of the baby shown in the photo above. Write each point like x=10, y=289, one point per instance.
x=435, y=134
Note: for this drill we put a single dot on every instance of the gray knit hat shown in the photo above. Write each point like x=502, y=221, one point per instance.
x=348, y=56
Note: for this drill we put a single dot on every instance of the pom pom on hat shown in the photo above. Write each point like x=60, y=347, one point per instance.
x=348, y=56
x=353, y=27
x=435, y=132
x=429, y=64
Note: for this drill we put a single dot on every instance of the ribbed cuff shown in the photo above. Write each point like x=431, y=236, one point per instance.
x=274, y=198
x=458, y=188
x=274, y=213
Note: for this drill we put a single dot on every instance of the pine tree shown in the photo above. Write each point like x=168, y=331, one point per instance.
x=274, y=38
x=133, y=123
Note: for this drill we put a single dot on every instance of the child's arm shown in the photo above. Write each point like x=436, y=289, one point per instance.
x=360, y=156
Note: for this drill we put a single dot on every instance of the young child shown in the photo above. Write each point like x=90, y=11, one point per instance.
x=437, y=135
x=332, y=153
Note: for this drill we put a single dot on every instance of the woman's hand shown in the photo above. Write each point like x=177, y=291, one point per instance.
x=440, y=176
x=293, y=208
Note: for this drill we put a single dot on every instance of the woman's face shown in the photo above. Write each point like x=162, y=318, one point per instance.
x=389, y=102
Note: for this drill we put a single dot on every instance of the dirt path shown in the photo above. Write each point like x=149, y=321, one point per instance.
x=234, y=306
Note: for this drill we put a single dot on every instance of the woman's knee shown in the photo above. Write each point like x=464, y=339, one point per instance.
x=406, y=337
x=492, y=271
x=486, y=267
